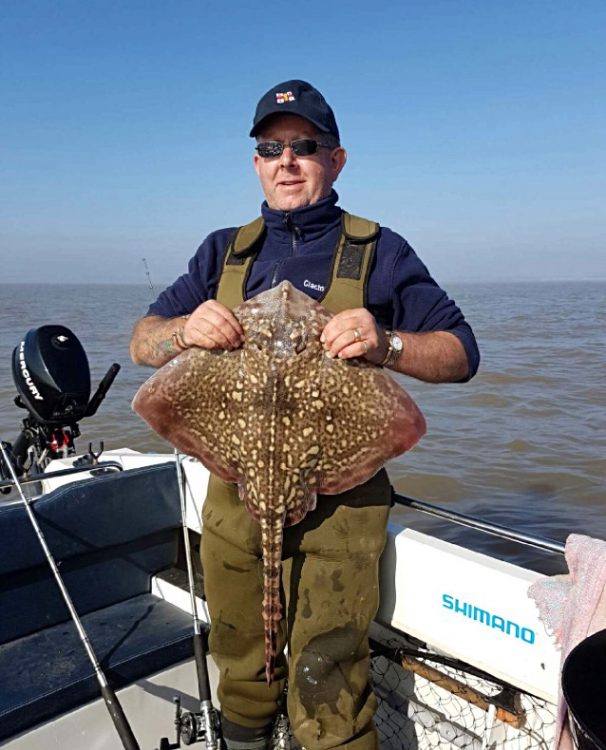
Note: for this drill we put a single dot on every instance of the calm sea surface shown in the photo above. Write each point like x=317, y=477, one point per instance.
x=523, y=444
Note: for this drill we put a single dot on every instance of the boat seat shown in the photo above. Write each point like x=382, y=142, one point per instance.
x=110, y=536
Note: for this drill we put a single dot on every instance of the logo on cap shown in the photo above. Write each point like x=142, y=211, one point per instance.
x=286, y=96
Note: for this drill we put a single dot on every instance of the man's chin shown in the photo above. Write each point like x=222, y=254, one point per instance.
x=290, y=204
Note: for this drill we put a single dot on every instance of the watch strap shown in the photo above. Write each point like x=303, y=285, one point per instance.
x=391, y=357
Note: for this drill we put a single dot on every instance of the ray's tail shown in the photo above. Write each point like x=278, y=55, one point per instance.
x=272, y=529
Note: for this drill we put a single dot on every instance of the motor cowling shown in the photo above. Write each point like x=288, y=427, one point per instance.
x=51, y=372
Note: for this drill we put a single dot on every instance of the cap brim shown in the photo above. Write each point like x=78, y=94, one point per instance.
x=282, y=111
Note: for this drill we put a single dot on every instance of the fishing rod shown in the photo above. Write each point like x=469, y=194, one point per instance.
x=505, y=532
x=149, y=281
x=111, y=701
x=194, y=727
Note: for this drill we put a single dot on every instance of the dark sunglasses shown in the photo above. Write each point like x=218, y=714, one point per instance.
x=300, y=147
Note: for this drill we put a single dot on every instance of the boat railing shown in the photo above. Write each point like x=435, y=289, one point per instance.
x=504, y=532
x=100, y=467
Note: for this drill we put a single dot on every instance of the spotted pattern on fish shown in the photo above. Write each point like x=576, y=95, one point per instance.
x=281, y=419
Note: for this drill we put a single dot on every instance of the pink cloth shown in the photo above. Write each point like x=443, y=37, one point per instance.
x=573, y=607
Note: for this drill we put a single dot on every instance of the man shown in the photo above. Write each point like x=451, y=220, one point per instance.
x=388, y=310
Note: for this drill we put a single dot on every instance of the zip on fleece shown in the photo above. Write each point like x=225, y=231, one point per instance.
x=295, y=236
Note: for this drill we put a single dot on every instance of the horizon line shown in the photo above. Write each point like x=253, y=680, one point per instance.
x=443, y=282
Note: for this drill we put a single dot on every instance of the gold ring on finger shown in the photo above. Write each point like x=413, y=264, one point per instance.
x=357, y=335
x=365, y=345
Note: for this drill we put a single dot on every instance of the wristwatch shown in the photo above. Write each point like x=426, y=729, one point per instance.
x=395, y=347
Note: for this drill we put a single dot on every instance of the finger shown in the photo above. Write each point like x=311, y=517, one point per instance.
x=222, y=331
x=343, y=340
x=357, y=349
x=341, y=329
x=209, y=337
x=348, y=320
x=212, y=327
x=223, y=318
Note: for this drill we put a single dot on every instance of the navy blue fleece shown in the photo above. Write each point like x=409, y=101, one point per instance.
x=299, y=246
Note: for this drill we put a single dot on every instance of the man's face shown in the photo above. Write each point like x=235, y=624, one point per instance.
x=291, y=181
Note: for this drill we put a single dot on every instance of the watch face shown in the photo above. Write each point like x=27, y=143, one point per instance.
x=396, y=343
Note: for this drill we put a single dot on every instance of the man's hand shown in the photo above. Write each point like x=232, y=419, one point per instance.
x=212, y=326
x=156, y=340
x=355, y=333
x=434, y=356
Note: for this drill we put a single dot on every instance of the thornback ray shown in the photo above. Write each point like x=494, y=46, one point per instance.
x=281, y=419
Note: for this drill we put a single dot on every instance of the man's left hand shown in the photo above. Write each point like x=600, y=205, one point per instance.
x=355, y=333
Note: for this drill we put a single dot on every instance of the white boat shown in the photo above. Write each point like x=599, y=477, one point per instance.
x=461, y=658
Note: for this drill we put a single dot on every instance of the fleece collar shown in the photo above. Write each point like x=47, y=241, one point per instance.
x=307, y=223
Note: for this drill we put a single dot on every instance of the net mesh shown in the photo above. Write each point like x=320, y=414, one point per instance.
x=426, y=703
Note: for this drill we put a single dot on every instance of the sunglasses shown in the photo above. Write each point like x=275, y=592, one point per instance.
x=300, y=147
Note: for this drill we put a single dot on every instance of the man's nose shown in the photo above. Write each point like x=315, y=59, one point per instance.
x=287, y=156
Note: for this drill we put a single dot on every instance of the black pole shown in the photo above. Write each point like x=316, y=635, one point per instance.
x=102, y=389
x=118, y=717
x=505, y=532
x=111, y=701
x=201, y=668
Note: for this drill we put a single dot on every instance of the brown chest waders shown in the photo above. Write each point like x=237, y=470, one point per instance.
x=330, y=568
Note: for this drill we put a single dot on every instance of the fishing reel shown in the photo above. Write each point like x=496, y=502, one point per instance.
x=52, y=376
x=198, y=727
x=203, y=726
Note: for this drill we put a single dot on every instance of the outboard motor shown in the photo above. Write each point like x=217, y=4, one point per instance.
x=51, y=372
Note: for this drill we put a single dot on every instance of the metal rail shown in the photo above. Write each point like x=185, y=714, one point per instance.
x=204, y=725
x=62, y=473
x=504, y=532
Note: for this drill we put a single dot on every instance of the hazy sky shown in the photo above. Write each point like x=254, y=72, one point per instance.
x=475, y=129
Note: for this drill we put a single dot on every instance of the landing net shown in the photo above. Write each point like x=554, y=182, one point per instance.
x=440, y=703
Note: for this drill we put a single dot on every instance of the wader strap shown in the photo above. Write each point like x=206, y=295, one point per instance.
x=351, y=264
x=349, y=272
x=239, y=256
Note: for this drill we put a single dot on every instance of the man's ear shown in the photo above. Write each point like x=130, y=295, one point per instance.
x=338, y=159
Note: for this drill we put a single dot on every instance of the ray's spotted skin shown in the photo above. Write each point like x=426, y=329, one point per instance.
x=281, y=419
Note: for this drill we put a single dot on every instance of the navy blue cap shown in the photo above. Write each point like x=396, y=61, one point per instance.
x=296, y=98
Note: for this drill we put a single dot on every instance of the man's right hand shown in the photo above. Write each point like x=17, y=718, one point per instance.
x=156, y=340
x=212, y=326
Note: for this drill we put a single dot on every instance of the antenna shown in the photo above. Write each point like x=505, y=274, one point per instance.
x=149, y=281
